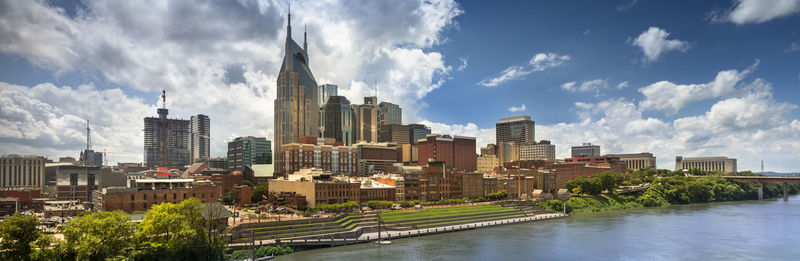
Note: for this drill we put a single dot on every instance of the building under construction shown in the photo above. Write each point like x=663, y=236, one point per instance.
x=167, y=142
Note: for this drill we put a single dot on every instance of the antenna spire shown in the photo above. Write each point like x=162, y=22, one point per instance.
x=305, y=36
x=164, y=98
x=88, y=136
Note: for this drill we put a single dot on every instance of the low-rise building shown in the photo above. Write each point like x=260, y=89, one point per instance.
x=636, y=161
x=373, y=190
x=724, y=164
x=144, y=193
x=318, y=186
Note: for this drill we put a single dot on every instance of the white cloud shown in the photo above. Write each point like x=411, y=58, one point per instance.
x=622, y=85
x=794, y=47
x=539, y=62
x=587, y=32
x=586, y=86
x=543, y=61
x=654, y=43
x=463, y=64
x=666, y=95
x=624, y=7
x=759, y=11
x=519, y=108
x=222, y=58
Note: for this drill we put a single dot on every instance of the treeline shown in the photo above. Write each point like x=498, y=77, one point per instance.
x=666, y=188
x=184, y=231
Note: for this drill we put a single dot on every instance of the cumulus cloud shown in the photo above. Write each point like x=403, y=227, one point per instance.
x=654, y=43
x=757, y=11
x=539, y=62
x=519, y=108
x=666, y=95
x=222, y=58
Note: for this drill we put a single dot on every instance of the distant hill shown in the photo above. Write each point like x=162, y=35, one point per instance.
x=772, y=173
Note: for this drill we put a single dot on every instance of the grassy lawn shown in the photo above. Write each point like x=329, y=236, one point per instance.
x=345, y=218
x=391, y=217
x=469, y=221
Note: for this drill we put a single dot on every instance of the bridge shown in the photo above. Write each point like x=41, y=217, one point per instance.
x=762, y=179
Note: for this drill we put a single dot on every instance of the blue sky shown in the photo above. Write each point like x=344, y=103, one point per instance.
x=692, y=78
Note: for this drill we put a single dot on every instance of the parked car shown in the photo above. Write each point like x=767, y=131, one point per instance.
x=396, y=207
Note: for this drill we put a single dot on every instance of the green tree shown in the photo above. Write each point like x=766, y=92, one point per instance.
x=258, y=191
x=100, y=235
x=177, y=232
x=16, y=235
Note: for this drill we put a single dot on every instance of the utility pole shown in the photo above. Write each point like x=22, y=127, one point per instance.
x=762, y=167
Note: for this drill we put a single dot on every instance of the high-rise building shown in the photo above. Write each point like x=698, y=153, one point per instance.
x=337, y=120
x=490, y=149
x=326, y=91
x=724, y=164
x=418, y=132
x=21, y=171
x=389, y=113
x=457, y=152
x=541, y=150
x=507, y=152
x=587, y=149
x=166, y=141
x=297, y=101
x=637, y=161
x=367, y=123
x=394, y=133
x=246, y=151
x=201, y=137
x=520, y=130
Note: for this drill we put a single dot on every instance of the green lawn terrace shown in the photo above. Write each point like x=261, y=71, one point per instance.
x=442, y=216
x=295, y=228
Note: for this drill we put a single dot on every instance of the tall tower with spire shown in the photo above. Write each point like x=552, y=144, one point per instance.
x=296, y=105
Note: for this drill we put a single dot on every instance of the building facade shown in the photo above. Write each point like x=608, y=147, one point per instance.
x=587, y=149
x=520, y=130
x=141, y=199
x=166, y=141
x=20, y=172
x=457, y=152
x=637, y=161
x=246, y=151
x=376, y=157
x=541, y=150
x=367, y=120
x=418, y=132
x=394, y=133
x=337, y=120
x=321, y=154
x=389, y=113
x=296, y=104
x=201, y=137
x=487, y=163
x=326, y=91
x=724, y=164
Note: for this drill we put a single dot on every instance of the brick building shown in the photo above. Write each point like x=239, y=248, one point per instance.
x=145, y=193
x=320, y=153
x=457, y=152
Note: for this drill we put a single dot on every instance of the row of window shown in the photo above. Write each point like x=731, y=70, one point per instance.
x=174, y=196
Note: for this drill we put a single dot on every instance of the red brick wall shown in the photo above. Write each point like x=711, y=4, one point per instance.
x=143, y=200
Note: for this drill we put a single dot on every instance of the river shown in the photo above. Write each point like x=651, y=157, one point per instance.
x=747, y=230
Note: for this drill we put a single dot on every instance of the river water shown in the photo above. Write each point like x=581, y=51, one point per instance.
x=749, y=230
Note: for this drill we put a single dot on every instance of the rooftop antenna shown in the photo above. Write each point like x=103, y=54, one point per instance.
x=164, y=98
x=375, y=81
x=88, y=136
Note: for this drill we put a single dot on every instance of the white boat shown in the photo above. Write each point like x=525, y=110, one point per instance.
x=383, y=242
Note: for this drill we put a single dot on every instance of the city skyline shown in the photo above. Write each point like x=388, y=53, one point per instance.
x=628, y=77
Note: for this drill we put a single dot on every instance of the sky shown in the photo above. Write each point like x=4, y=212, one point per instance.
x=688, y=78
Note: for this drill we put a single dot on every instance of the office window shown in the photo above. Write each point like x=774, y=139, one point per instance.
x=145, y=196
x=132, y=197
x=174, y=196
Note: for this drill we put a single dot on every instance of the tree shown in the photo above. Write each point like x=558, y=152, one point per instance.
x=228, y=197
x=177, y=232
x=258, y=191
x=16, y=235
x=100, y=235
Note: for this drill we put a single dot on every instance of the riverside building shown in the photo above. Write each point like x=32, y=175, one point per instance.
x=637, y=161
x=724, y=164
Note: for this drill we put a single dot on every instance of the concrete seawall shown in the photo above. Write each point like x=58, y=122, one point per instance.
x=357, y=237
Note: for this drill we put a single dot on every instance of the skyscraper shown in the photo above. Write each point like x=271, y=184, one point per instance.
x=201, y=137
x=389, y=113
x=337, y=120
x=417, y=132
x=166, y=141
x=296, y=104
x=326, y=91
x=520, y=130
x=246, y=151
x=367, y=120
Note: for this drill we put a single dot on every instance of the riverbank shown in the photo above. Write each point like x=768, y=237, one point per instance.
x=671, y=190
